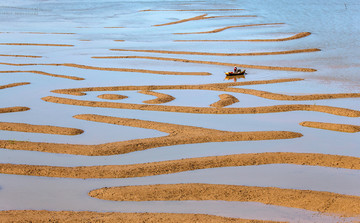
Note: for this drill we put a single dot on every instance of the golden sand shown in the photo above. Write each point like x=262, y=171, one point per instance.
x=213, y=63
x=13, y=109
x=29, y=56
x=112, y=96
x=183, y=20
x=13, y=85
x=23, y=127
x=35, y=44
x=43, y=73
x=324, y=202
x=216, y=54
x=114, y=217
x=161, y=98
x=182, y=165
x=229, y=27
x=178, y=135
x=296, y=36
x=225, y=100
x=332, y=126
x=109, y=68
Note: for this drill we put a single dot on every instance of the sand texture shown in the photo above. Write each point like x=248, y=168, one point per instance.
x=13, y=85
x=178, y=135
x=13, y=109
x=332, y=126
x=114, y=217
x=43, y=73
x=160, y=97
x=225, y=100
x=36, y=44
x=112, y=96
x=29, y=56
x=215, y=54
x=296, y=36
x=23, y=127
x=323, y=202
x=111, y=69
x=190, y=164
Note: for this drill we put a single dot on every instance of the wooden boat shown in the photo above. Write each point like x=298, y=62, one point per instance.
x=239, y=72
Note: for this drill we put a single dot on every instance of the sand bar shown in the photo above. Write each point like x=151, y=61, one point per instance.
x=182, y=165
x=114, y=217
x=324, y=202
x=178, y=135
x=109, y=68
x=161, y=98
x=112, y=96
x=332, y=126
x=189, y=10
x=225, y=100
x=43, y=73
x=13, y=85
x=29, y=56
x=36, y=44
x=229, y=27
x=216, y=54
x=13, y=109
x=47, y=129
x=213, y=63
x=296, y=36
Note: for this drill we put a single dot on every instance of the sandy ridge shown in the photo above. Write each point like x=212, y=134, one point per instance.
x=296, y=36
x=30, y=56
x=178, y=135
x=216, y=86
x=216, y=54
x=114, y=217
x=324, y=202
x=13, y=85
x=332, y=126
x=213, y=63
x=227, y=87
x=13, y=109
x=36, y=44
x=47, y=129
x=109, y=68
x=182, y=165
x=161, y=98
x=229, y=27
x=225, y=100
x=206, y=110
x=43, y=73
x=189, y=10
x=112, y=96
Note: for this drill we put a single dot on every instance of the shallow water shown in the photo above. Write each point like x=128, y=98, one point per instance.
x=334, y=31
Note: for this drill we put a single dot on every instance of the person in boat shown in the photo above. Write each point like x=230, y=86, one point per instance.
x=235, y=70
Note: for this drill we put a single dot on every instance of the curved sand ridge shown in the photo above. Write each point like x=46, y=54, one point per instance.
x=213, y=63
x=115, y=217
x=178, y=135
x=43, y=73
x=182, y=165
x=22, y=127
x=161, y=98
x=332, y=126
x=189, y=10
x=229, y=27
x=13, y=85
x=112, y=96
x=225, y=100
x=216, y=54
x=201, y=17
x=324, y=202
x=109, y=68
x=206, y=110
x=29, y=56
x=13, y=109
x=296, y=36
x=36, y=44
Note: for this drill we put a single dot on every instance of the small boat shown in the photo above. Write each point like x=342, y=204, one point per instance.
x=238, y=72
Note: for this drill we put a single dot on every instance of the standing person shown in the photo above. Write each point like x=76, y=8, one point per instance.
x=235, y=69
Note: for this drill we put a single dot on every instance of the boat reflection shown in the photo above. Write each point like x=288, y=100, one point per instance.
x=234, y=77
